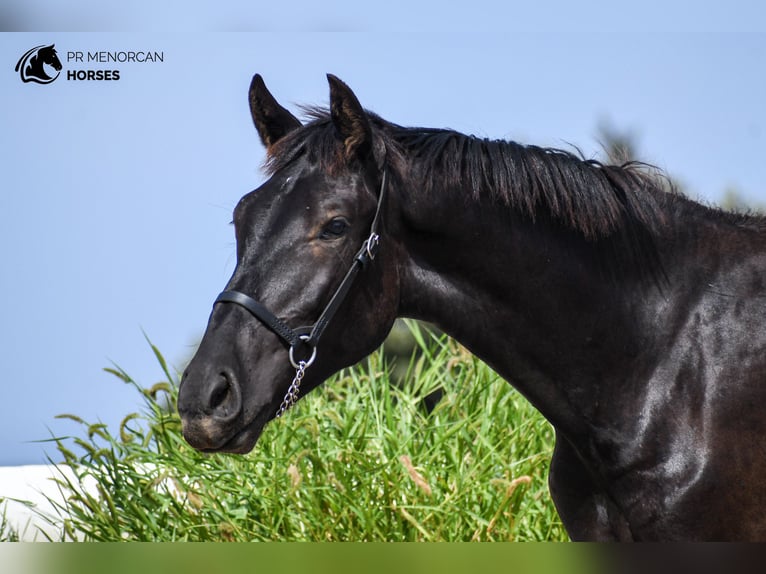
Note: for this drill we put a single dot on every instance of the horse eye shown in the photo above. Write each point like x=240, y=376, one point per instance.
x=334, y=229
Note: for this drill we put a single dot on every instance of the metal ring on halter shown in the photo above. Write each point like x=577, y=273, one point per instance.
x=372, y=244
x=310, y=360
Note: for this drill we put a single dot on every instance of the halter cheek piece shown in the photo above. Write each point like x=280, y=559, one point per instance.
x=309, y=336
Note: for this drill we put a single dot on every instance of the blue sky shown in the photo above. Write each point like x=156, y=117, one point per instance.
x=116, y=197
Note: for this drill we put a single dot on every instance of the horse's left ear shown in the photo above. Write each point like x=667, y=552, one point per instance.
x=353, y=124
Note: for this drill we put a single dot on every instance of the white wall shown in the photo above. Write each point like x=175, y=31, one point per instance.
x=34, y=484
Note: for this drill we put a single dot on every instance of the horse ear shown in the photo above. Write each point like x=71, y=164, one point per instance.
x=352, y=122
x=271, y=120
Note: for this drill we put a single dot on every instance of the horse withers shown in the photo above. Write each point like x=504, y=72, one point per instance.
x=630, y=316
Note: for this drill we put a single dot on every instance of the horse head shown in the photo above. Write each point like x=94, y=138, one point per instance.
x=298, y=238
x=48, y=55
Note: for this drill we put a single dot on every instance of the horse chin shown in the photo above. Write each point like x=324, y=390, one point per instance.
x=243, y=441
x=206, y=436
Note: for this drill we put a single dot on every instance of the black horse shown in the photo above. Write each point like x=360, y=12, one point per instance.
x=30, y=66
x=630, y=316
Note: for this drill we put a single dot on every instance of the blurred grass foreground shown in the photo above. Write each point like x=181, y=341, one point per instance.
x=359, y=459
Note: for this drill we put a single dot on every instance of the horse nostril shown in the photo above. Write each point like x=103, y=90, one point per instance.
x=219, y=392
x=223, y=396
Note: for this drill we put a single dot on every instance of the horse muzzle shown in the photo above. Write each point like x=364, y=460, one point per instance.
x=211, y=408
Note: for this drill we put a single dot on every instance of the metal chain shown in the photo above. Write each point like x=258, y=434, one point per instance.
x=291, y=396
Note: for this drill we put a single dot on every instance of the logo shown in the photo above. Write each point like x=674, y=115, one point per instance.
x=41, y=64
x=32, y=65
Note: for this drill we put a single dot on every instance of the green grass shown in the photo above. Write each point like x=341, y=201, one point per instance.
x=356, y=460
x=7, y=532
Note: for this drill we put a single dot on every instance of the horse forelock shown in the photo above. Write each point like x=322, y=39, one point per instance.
x=319, y=141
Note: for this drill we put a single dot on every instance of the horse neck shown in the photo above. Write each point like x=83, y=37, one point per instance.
x=529, y=298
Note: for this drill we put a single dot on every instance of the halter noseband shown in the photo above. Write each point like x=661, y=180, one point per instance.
x=310, y=335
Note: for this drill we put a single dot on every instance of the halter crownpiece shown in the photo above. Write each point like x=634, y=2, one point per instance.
x=309, y=336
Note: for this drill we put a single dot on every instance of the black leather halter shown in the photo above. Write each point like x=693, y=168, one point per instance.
x=310, y=335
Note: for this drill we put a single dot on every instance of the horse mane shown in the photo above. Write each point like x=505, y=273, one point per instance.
x=585, y=195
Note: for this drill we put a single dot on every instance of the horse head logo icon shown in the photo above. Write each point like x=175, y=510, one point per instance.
x=32, y=65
